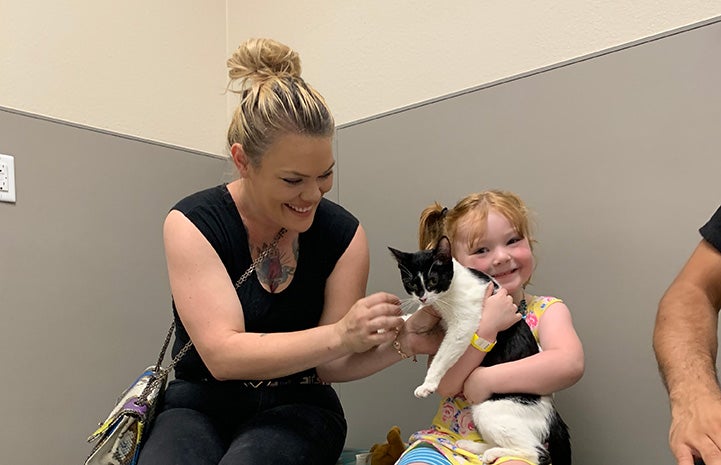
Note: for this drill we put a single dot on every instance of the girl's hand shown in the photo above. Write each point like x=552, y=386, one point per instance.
x=477, y=388
x=499, y=312
x=371, y=321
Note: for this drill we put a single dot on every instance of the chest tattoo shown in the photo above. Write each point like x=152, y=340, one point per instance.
x=277, y=269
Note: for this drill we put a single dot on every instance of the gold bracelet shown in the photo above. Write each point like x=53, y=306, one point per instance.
x=397, y=346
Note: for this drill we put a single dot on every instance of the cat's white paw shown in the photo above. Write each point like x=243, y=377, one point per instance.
x=495, y=453
x=472, y=446
x=492, y=454
x=424, y=390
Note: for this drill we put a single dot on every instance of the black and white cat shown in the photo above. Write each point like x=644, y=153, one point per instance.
x=521, y=425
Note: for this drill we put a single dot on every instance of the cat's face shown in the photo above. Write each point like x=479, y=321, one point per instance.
x=426, y=274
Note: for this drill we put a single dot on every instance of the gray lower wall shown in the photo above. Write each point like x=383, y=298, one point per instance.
x=84, y=295
x=617, y=155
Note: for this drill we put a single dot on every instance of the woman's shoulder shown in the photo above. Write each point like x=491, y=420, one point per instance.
x=213, y=212
x=203, y=198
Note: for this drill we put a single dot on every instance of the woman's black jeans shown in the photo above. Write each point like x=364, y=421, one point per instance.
x=226, y=423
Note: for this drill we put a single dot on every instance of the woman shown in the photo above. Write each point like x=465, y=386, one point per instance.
x=254, y=387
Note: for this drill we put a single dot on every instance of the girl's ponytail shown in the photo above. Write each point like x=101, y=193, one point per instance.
x=431, y=225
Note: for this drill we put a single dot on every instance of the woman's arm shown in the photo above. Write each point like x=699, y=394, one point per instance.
x=344, y=287
x=558, y=366
x=208, y=305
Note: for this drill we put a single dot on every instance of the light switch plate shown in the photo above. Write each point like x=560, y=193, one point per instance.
x=7, y=178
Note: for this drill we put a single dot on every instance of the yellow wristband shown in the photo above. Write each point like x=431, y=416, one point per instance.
x=481, y=344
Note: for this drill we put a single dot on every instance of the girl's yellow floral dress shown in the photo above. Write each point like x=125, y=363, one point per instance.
x=454, y=421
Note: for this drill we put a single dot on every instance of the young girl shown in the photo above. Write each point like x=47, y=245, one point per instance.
x=490, y=231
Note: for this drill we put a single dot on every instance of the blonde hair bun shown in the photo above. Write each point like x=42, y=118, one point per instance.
x=261, y=59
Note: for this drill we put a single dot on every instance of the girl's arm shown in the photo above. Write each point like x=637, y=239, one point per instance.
x=558, y=366
x=208, y=305
x=499, y=313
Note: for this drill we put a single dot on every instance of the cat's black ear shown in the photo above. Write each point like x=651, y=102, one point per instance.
x=443, y=248
x=397, y=254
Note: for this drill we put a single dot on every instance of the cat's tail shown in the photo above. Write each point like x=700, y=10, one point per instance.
x=559, y=441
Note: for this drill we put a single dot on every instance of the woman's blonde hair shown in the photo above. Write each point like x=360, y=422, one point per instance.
x=437, y=221
x=274, y=99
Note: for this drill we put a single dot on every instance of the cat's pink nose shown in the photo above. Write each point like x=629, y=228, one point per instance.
x=422, y=299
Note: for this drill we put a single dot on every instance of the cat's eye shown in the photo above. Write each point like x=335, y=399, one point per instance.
x=432, y=281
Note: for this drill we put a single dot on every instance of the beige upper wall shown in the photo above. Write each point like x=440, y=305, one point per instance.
x=151, y=69
x=373, y=56
x=156, y=70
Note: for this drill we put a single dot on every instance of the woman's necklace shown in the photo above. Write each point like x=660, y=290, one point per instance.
x=271, y=248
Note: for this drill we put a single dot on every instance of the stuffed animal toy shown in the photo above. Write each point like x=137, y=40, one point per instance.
x=388, y=453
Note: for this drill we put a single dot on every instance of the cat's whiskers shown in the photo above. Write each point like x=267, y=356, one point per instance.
x=409, y=305
x=441, y=305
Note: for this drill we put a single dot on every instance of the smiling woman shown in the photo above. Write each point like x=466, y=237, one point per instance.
x=254, y=387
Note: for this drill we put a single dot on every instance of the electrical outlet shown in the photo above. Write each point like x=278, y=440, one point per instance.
x=4, y=178
x=7, y=178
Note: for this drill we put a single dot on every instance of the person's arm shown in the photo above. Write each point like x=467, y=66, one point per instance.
x=208, y=305
x=558, y=366
x=685, y=343
x=344, y=287
x=499, y=313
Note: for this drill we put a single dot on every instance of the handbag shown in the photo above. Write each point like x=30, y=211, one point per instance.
x=120, y=437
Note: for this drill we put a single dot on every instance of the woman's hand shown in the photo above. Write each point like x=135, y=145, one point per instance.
x=371, y=321
x=499, y=312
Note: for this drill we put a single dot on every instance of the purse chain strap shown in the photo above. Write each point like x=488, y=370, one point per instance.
x=162, y=373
